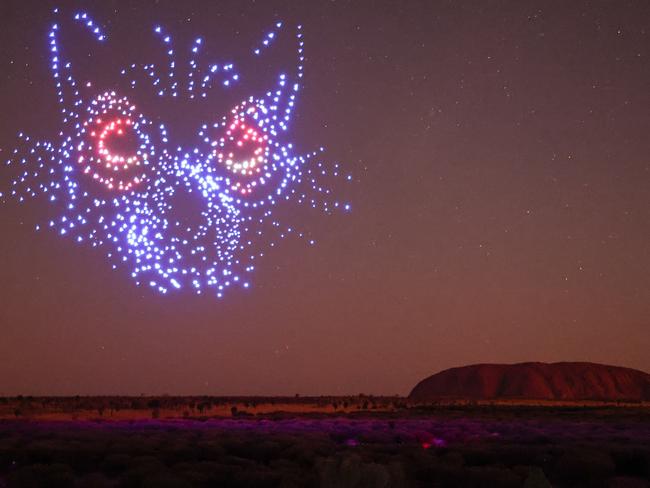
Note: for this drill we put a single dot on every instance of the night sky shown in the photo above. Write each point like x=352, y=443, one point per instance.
x=500, y=205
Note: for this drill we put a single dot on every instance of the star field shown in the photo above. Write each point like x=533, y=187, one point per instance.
x=500, y=204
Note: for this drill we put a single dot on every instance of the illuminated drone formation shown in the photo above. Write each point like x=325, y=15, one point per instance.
x=123, y=199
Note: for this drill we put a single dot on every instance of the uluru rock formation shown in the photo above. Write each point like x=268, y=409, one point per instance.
x=536, y=381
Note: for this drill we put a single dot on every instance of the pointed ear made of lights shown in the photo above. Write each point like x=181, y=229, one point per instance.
x=122, y=200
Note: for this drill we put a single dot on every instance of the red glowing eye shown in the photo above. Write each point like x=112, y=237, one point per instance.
x=243, y=149
x=110, y=152
x=113, y=141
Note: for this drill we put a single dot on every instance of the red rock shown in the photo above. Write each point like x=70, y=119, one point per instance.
x=535, y=381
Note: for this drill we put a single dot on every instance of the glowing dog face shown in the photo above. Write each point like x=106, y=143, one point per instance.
x=115, y=176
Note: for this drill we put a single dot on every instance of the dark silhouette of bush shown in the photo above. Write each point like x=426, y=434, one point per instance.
x=94, y=480
x=154, y=403
x=492, y=477
x=632, y=461
x=481, y=456
x=165, y=479
x=139, y=469
x=350, y=471
x=45, y=475
x=115, y=463
x=535, y=478
x=584, y=464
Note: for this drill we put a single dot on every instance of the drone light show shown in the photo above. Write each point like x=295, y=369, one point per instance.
x=112, y=173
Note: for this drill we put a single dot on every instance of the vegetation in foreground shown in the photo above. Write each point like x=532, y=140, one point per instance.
x=393, y=445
